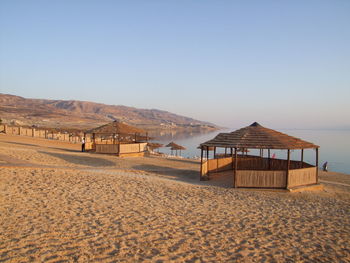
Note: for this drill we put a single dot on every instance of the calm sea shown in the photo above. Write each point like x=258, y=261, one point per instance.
x=334, y=146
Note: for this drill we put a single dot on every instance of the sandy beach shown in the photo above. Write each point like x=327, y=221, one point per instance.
x=60, y=205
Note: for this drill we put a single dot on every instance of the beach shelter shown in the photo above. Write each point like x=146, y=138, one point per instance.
x=154, y=145
x=260, y=171
x=119, y=132
x=175, y=147
x=117, y=138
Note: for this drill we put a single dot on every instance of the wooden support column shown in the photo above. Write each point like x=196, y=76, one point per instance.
x=316, y=165
x=214, y=152
x=287, y=172
x=302, y=158
x=225, y=151
x=233, y=164
x=235, y=173
x=201, y=169
x=269, y=158
x=207, y=162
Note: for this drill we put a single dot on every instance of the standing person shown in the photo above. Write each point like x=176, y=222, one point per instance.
x=83, y=144
x=325, y=167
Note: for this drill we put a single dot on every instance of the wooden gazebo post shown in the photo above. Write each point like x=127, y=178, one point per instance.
x=302, y=158
x=201, y=170
x=214, y=152
x=287, y=172
x=232, y=159
x=269, y=159
x=236, y=161
x=316, y=165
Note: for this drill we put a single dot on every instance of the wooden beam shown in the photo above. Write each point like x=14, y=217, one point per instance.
x=302, y=158
x=235, y=173
x=200, y=172
x=287, y=172
x=269, y=158
x=316, y=165
x=225, y=151
x=232, y=161
x=214, y=152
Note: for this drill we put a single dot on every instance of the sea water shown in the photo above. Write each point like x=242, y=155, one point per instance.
x=334, y=146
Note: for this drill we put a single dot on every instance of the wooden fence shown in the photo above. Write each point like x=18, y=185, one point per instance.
x=254, y=171
x=261, y=179
x=305, y=176
x=120, y=149
x=39, y=133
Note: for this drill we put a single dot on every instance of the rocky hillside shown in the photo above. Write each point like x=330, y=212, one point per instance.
x=83, y=114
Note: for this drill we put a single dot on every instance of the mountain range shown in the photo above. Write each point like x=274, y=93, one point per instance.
x=74, y=114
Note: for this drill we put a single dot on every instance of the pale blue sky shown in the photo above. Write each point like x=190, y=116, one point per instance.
x=285, y=64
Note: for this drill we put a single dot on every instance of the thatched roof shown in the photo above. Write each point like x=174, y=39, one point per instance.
x=256, y=136
x=175, y=146
x=154, y=145
x=116, y=127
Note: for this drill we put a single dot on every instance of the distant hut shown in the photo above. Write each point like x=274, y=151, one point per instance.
x=175, y=147
x=117, y=138
x=153, y=146
x=260, y=171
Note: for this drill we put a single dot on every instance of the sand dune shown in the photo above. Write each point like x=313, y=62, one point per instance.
x=60, y=205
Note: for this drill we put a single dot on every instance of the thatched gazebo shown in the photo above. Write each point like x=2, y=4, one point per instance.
x=154, y=145
x=117, y=138
x=259, y=171
x=175, y=147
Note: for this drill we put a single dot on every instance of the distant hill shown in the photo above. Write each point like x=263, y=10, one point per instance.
x=84, y=114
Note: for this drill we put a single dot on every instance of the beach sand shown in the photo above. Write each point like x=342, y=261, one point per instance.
x=60, y=205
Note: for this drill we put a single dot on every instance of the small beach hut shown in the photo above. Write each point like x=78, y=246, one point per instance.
x=117, y=138
x=154, y=145
x=175, y=147
x=259, y=171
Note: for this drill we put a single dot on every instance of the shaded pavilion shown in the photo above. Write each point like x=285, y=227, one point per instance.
x=259, y=171
x=175, y=147
x=154, y=145
x=117, y=138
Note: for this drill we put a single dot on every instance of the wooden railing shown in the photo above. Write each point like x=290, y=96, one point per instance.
x=39, y=133
x=254, y=171
x=124, y=148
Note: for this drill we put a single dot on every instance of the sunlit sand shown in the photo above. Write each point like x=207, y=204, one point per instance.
x=60, y=205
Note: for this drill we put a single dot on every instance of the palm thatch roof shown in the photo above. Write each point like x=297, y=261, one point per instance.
x=154, y=145
x=116, y=127
x=178, y=147
x=175, y=146
x=256, y=136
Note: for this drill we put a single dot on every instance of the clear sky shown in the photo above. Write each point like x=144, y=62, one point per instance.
x=285, y=64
